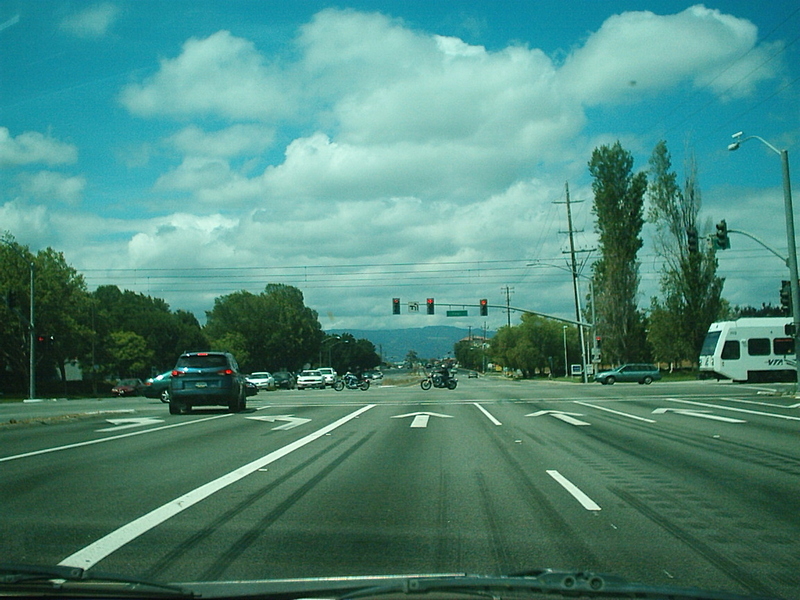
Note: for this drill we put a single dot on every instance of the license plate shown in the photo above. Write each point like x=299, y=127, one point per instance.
x=201, y=384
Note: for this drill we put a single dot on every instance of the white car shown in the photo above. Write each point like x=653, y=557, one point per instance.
x=310, y=379
x=328, y=374
x=262, y=380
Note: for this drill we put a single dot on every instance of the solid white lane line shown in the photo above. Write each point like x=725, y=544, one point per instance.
x=585, y=501
x=616, y=412
x=111, y=438
x=97, y=551
x=488, y=414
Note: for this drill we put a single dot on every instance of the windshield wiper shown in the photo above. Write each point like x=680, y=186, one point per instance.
x=548, y=582
x=13, y=576
x=543, y=581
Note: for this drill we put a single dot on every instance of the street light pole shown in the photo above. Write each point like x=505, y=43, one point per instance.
x=791, y=260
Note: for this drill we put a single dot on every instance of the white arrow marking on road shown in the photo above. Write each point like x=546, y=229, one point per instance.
x=562, y=416
x=291, y=422
x=120, y=424
x=421, y=418
x=703, y=414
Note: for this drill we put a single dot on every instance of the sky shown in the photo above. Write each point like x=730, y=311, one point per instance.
x=370, y=150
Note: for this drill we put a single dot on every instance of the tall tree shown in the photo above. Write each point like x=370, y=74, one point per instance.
x=278, y=330
x=60, y=298
x=691, y=289
x=618, y=208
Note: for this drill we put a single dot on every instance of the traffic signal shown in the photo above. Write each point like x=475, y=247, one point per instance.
x=598, y=341
x=722, y=241
x=484, y=307
x=430, y=306
x=395, y=306
x=786, y=294
x=691, y=240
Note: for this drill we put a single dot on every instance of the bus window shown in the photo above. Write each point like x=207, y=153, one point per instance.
x=758, y=347
x=783, y=346
x=730, y=350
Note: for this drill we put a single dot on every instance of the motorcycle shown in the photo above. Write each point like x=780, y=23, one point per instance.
x=437, y=380
x=351, y=382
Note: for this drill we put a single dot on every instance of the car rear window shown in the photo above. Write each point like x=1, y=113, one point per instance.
x=202, y=361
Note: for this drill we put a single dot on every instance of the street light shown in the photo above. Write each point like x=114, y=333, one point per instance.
x=791, y=261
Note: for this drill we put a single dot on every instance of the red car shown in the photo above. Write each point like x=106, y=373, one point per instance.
x=127, y=387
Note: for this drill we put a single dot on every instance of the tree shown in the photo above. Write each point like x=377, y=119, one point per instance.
x=278, y=329
x=535, y=345
x=692, y=292
x=60, y=301
x=166, y=334
x=618, y=208
x=348, y=353
x=129, y=355
x=470, y=354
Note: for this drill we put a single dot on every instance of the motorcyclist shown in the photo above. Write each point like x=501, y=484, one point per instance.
x=444, y=374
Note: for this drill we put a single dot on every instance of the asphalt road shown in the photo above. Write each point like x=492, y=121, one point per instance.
x=690, y=484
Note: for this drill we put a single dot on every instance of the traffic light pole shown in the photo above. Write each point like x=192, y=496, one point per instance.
x=790, y=240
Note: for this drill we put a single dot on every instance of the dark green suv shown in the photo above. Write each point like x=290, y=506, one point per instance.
x=207, y=379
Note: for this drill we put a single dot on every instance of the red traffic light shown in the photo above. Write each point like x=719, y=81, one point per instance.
x=430, y=306
x=395, y=306
x=484, y=307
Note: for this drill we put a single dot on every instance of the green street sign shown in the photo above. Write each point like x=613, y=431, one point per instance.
x=456, y=313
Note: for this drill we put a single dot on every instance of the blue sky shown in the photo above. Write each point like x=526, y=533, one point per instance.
x=369, y=150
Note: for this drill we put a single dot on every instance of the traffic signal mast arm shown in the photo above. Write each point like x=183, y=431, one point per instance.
x=533, y=312
x=761, y=242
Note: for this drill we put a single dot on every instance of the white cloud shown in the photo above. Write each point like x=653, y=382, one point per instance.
x=237, y=140
x=33, y=147
x=92, y=22
x=47, y=186
x=218, y=75
x=641, y=52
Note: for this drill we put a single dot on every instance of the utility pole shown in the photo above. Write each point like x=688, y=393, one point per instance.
x=574, y=270
x=508, y=291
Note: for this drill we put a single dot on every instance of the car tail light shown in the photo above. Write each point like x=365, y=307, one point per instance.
x=225, y=372
x=177, y=373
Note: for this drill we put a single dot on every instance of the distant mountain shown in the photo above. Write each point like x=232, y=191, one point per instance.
x=427, y=342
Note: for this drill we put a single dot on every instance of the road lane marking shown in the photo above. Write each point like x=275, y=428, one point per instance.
x=290, y=421
x=119, y=424
x=488, y=414
x=421, y=418
x=97, y=551
x=731, y=408
x=743, y=401
x=702, y=414
x=573, y=489
x=110, y=438
x=561, y=416
x=616, y=412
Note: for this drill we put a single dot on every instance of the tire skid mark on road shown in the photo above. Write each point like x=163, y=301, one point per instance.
x=212, y=527
x=688, y=516
x=111, y=542
x=502, y=558
x=733, y=570
x=227, y=558
x=561, y=532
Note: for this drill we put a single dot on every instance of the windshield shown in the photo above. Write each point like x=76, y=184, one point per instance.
x=710, y=343
x=367, y=288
